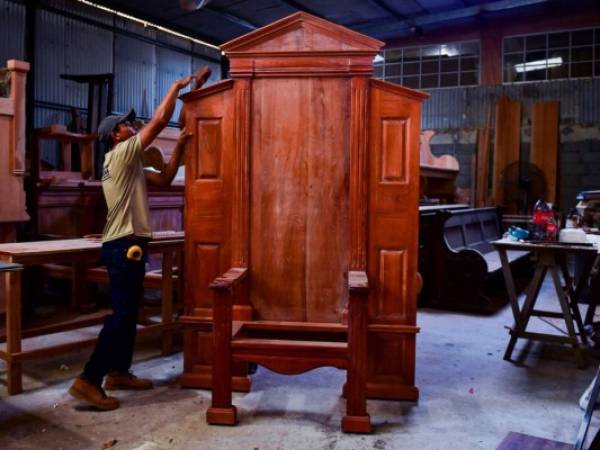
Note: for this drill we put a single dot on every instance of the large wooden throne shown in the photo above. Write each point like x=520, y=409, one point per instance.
x=301, y=218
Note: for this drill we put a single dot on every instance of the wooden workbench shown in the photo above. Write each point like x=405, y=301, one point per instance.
x=550, y=257
x=80, y=253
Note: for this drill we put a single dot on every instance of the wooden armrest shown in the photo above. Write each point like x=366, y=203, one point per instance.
x=229, y=279
x=358, y=282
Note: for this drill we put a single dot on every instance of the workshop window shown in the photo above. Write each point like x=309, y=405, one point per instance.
x=552, y=56
x=430, y=66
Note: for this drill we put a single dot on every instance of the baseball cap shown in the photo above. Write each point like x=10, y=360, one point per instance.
x=109, y=123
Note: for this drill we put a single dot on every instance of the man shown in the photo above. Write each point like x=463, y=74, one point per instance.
x=124, y=240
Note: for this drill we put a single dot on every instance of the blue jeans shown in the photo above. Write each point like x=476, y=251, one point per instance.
x=114, y=348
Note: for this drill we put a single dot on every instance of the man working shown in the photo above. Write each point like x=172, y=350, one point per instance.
x=124, y=240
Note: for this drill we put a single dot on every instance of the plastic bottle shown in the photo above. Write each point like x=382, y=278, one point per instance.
x=542, y=214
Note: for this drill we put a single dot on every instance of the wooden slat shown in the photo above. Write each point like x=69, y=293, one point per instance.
x=290, y=345
x=295, y=326
x=544, y=144
x=484, y=136
x=507, y=142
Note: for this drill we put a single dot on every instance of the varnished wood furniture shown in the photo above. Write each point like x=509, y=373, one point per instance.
x=66, y=139
x=12, y=152
x=551, y=257
x=507, y=144
x=302, y=170
x=437, y=173
x=545, y=132
x=69, y=205
x=459, y=258
x=12, y=157
x=80, y=253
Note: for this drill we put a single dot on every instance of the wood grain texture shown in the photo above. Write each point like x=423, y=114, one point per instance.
x=324, y=177
x=359, y=110
x=544, y=144
x=12, y=147
x=482, y=167
x=507, y=143
x=393, y=241
x=299, y=199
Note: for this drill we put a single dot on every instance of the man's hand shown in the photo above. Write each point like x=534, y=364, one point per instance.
x=184, y=136
x=201, y=77
x=163, y=113
x=180, y=84
x=166, y=176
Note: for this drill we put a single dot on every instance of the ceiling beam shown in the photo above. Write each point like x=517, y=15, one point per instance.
x=388, y=9
x=230, y=18
x=300, y=7
x=461, y=13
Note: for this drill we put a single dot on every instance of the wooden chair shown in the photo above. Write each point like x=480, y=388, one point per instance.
x=301, y=218
x=290, y=347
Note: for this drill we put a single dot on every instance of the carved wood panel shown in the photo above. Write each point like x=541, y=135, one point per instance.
x=207, y=194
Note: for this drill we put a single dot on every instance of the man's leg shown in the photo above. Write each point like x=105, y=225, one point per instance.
x=129, y=292
x=110, y=340
x=87, y=387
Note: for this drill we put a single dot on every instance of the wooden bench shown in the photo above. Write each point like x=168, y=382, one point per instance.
x=457, y=257
x=99, y=275
x=20, y=345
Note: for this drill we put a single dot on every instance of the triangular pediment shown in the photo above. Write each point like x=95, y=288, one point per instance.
x=302, y=32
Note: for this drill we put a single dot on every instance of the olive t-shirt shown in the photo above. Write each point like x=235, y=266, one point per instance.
x=124, y=187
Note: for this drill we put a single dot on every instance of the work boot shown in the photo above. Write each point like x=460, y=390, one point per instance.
x=93, y=394
x=126, y=381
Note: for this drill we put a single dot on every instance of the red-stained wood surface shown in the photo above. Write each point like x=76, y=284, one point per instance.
x=304, y=171
x=507, y=144
x=544, y=144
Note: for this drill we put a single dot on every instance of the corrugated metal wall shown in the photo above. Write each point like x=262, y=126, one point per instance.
x=65, y=46
x=135, y=72
x=12, y=32
x=72, y=38
x=465, y=108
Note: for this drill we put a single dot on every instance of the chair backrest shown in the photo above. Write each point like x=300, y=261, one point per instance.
x=472, y=228
x=299, y=203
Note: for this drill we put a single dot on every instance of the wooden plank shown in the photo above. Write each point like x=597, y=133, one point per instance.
x=70, y=246
x=484, y=136
x=507, y=143
x=299, y=199
x=65, y=341
x=12, y=286
x=83, y=321
x=544, y=144
x=167, y=301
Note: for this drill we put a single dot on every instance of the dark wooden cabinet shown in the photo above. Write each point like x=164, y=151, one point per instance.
x=302, y=169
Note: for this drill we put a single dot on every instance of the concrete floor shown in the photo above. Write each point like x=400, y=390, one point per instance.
x=470, y=399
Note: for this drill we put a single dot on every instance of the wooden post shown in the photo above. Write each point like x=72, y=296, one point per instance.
x=167, y=302
x=12, y=288
x=356, y=419
x=78, y=284
x=222, y=412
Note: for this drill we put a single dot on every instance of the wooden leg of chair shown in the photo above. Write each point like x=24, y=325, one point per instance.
x=356, y=419
x=222, y=412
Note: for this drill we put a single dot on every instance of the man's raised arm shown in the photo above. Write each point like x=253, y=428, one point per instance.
x=163, y=113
